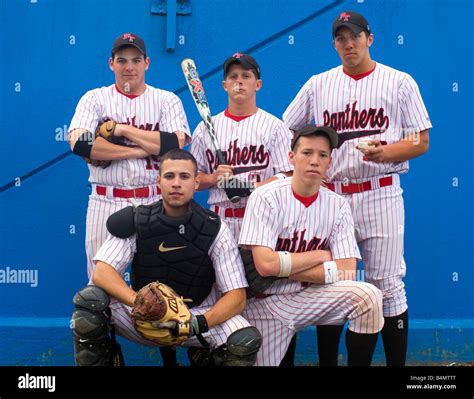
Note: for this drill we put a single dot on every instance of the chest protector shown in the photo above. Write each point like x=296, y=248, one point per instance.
x=174, y=250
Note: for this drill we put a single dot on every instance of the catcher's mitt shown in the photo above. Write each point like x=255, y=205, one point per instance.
x=106, y=131
x=160, y=315
x=96, y=162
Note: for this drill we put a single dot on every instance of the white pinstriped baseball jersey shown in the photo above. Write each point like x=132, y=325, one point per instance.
x=223, y=252
x=385, y=105
x=229, y=272
x=276, y=219
x=256, y=147
x=153, y=110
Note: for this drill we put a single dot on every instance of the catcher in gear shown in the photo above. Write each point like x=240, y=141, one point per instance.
x=150, y=120
x=188, y=281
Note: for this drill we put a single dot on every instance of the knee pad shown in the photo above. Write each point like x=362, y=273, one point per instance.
x=240, y=350
x=91, y=326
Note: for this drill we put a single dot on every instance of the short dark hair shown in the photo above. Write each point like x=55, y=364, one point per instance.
x=178, y=154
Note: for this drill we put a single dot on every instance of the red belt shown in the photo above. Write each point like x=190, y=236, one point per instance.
x=231, y=212
x=355, y=188
x=142, y=192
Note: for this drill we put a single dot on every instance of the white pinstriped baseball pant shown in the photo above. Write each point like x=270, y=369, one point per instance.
x=278, y=317
x=98, y=211
x=379, y=220
x=216, y=336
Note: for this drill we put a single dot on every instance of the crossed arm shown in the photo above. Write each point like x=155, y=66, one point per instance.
x=306, y=266
x=147, y=143
x=225, y=172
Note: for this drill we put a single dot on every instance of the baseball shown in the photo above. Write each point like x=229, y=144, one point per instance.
x=364, y=144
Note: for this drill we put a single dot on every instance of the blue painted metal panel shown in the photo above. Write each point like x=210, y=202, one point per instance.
x=427, y=344
x=64, y=52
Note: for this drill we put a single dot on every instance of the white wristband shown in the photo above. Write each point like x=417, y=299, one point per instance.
x=280, y=176
x=285, y=263
x=330, y=272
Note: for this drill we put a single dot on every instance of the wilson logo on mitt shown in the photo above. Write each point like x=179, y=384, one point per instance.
x=161, y=316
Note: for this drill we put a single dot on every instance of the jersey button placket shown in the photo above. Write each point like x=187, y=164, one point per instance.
x=235, y=129
x=353, y=91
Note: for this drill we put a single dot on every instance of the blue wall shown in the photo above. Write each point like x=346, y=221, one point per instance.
x=47, y=67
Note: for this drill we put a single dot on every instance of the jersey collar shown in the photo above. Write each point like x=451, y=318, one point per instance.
x=360, y=75
x=306, y=201
x=235, y=117
x=131, y=96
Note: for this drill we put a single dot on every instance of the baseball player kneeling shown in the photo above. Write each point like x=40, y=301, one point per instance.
x=201, y=288
x=303, y=246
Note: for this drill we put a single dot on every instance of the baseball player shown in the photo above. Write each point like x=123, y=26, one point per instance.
x=181, y=244
x=304, y=234
x=254, y=142
x=150, y=121
x=382, y=122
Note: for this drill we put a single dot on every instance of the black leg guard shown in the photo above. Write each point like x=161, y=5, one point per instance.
x=328, y=344
x=168, y=355
x=289, y=358
x=360, y=348
x=395, y=339
x=200, y=357
x=91, y=327
x=240, y=350
x=117, y=359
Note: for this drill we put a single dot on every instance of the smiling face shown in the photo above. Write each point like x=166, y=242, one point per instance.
x=311, y=158
x=178, y=181
x=353, y=49
x=129, y=66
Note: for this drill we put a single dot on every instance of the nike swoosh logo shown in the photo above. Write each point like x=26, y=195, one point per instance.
x=162, y=248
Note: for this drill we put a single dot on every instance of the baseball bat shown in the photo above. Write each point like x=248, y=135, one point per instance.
x=199, y=96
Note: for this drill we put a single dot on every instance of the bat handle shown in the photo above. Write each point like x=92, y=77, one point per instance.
x=222, y=161
x=220, y=157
